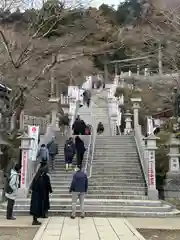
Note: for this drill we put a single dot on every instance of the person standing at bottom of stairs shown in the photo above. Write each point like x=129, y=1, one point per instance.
x=80, y=150
x=12, y=191
x=78, y=188
x=69, y=152
x=40, y=190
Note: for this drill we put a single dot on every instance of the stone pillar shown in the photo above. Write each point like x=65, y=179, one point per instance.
x=121, y=83
x=105, y=73
x=116, y=69
x=52, y=81
x=128, y=121
x=138, y=70
x=172, y=184
x=150, y=151
x=136, y=106
x=21, y=120
x=54, y=113
x=57, y=89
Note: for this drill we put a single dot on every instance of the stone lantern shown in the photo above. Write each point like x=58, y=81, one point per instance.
x=26, y=167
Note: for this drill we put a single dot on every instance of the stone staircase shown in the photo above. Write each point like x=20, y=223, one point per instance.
x=60, y=180
x=100, y=110
x=116, y=187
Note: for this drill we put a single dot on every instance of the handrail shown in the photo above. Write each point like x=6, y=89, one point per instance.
x=93, y=146
x=141, y=152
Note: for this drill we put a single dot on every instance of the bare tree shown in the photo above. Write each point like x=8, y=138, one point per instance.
x=78, y=35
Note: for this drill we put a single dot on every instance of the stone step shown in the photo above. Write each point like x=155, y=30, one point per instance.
x=104, y=213
x=101, y=177
x=101, y=187
x=118, y=172
x=97, y=202
x=103, y=208
x=105, y=192
x=97, y=168
x=103, y=196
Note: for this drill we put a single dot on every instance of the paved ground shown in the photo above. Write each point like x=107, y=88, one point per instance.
x=94, y=228
x=12, y=233
x=155, y=223
x=154, y=234
x=59, y=228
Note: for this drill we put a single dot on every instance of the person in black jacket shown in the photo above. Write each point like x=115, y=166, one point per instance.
x=78, y=188
x=100, y=128
x=69, y=152
x=80, y=150
x=76, y=126
x=40, y=188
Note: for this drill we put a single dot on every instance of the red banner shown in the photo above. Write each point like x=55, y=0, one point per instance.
x=24, y=167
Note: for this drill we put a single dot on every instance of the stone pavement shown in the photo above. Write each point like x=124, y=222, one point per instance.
x=155, y=223
x=64, y=228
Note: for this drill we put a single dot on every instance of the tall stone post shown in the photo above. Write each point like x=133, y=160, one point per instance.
x=105, y=73
x=21, y=121
x=160, y=64
x=172, y=185
x=113, y=115
x=54, y=112
x=150, y=151
x=116, y=69
x=128, y=121
x=138, y=70
x=136, y=106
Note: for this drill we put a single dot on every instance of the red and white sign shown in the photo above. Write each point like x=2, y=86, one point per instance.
x=33, y=132
x=151, y=170
x=24, y=168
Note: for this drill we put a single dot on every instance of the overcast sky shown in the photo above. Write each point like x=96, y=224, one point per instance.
x=97, y=3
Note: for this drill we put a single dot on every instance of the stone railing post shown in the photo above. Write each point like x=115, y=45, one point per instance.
x=150, y=152
x=27, y=166
x=128, y=121
x=136, y=106
x=172, y=184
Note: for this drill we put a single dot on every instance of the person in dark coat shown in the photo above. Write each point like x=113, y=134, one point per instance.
x=80, y=150
x=64, y=123
x=40, y=188
x=76, y=126
x=100, y=128
x=82, y=128
x=69, y=152
x=78, y=188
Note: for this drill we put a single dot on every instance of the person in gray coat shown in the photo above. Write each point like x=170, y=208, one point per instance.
x=43, y=154
x=12, y=191
x=53, y=151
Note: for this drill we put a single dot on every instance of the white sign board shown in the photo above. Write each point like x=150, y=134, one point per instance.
x=33, y=132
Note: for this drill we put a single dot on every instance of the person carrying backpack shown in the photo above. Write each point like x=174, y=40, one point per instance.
x=12, y=190
x=69, y=152
x=100, y=128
